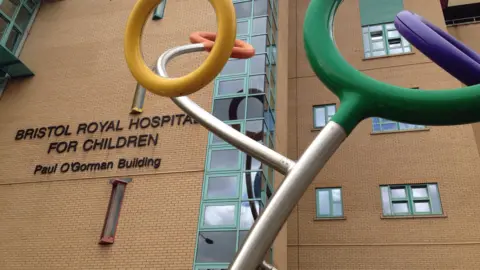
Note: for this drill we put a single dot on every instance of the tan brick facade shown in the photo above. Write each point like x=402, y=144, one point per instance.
x=446, y=155
x=75, y=48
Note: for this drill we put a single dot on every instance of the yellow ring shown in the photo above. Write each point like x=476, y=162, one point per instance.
x=197, y=79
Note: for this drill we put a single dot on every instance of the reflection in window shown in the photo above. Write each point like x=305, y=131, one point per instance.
x=216, y=246
x=384, y=39
x=243, y=10
x=246, y=216
x=222, y=187
x=231, y=87
x=257, y=84
x=229, y=108
x=234, y=66
x=242, y=28
x=251, y=164
x=410, y=200
x=381, y=124
x=260, y=7
x=9, y=7
x=219, y=215
x=256, y=182
x=259, y=43
x=329, y=202
x=217, y=140
x=225, y=159
x=257, y=64
x=255, y=106
x=254, y=130
x=260, y=25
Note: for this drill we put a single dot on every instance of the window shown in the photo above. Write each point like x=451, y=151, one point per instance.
x=15, y=19
x=322, y=114
x=159, y=11
x=382, y=125
x=383, y=39
x=237, y=186
x=329, y=202
x=113, y=212
x=411, y=200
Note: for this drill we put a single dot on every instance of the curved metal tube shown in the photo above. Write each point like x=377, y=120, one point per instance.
x=224, y=131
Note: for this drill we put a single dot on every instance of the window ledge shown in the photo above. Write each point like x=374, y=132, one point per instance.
x=329, y=218
x=316, y=129
x=399, y=131
x=413, y=217
x=386, y=56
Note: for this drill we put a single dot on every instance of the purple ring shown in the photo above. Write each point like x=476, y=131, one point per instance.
x=443, y=49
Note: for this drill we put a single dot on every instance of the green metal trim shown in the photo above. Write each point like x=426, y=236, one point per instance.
x=410, y=200
x=323, y=106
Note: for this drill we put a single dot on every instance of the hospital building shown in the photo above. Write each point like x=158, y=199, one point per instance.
x=98, y=173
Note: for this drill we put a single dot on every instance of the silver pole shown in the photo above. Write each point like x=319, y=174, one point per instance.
x=266, y=229
x=222, y=130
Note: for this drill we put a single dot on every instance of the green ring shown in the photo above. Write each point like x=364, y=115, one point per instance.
x=362, y=96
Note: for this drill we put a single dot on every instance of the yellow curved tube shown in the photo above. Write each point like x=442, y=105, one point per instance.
x=197, y=79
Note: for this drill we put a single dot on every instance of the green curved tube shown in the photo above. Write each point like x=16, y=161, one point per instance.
x=362, y=96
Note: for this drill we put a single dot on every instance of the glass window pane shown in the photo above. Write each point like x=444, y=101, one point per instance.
x=216, y=246
x=9, y=7
x=234, y=66
x=260, y=25
x=251, y=164
x=13, y=40
x=393, y=34
x=398, y=193
x=242, y=235
x=259, y=43
x=400, y=207
x=219, y=215
x=255, y=106
x=257, y=64
x=379, y=53
x=31, y=4
x=435, y=199
x=254, y=130
x=242, y=28
x=243, y=10
x=396, y=51
x=246, y=216
x=419, y=192
x=231, y=87
x=3, y=25
x=255, y=179
x=390, y=26
x=407, y=49
x=337, y=210
x=23, y=18
x=222, y=186
x=331, y=110
x=260, y=7
x=323, y=202
x=320, y=117
x=229, y=108
x=389, y=126
x=258, y=84
x=366, y=42
x=336, y=195
x=224, y=159
x=378, y=46
x=375, y=28
x=422, y=207
x=385, y=201
x=218, y=140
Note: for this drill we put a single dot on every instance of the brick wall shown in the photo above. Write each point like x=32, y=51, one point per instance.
x=447, y=155
x=54, y=221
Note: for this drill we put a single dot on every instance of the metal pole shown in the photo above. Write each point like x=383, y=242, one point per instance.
x=222, y=130
x=266, y=229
